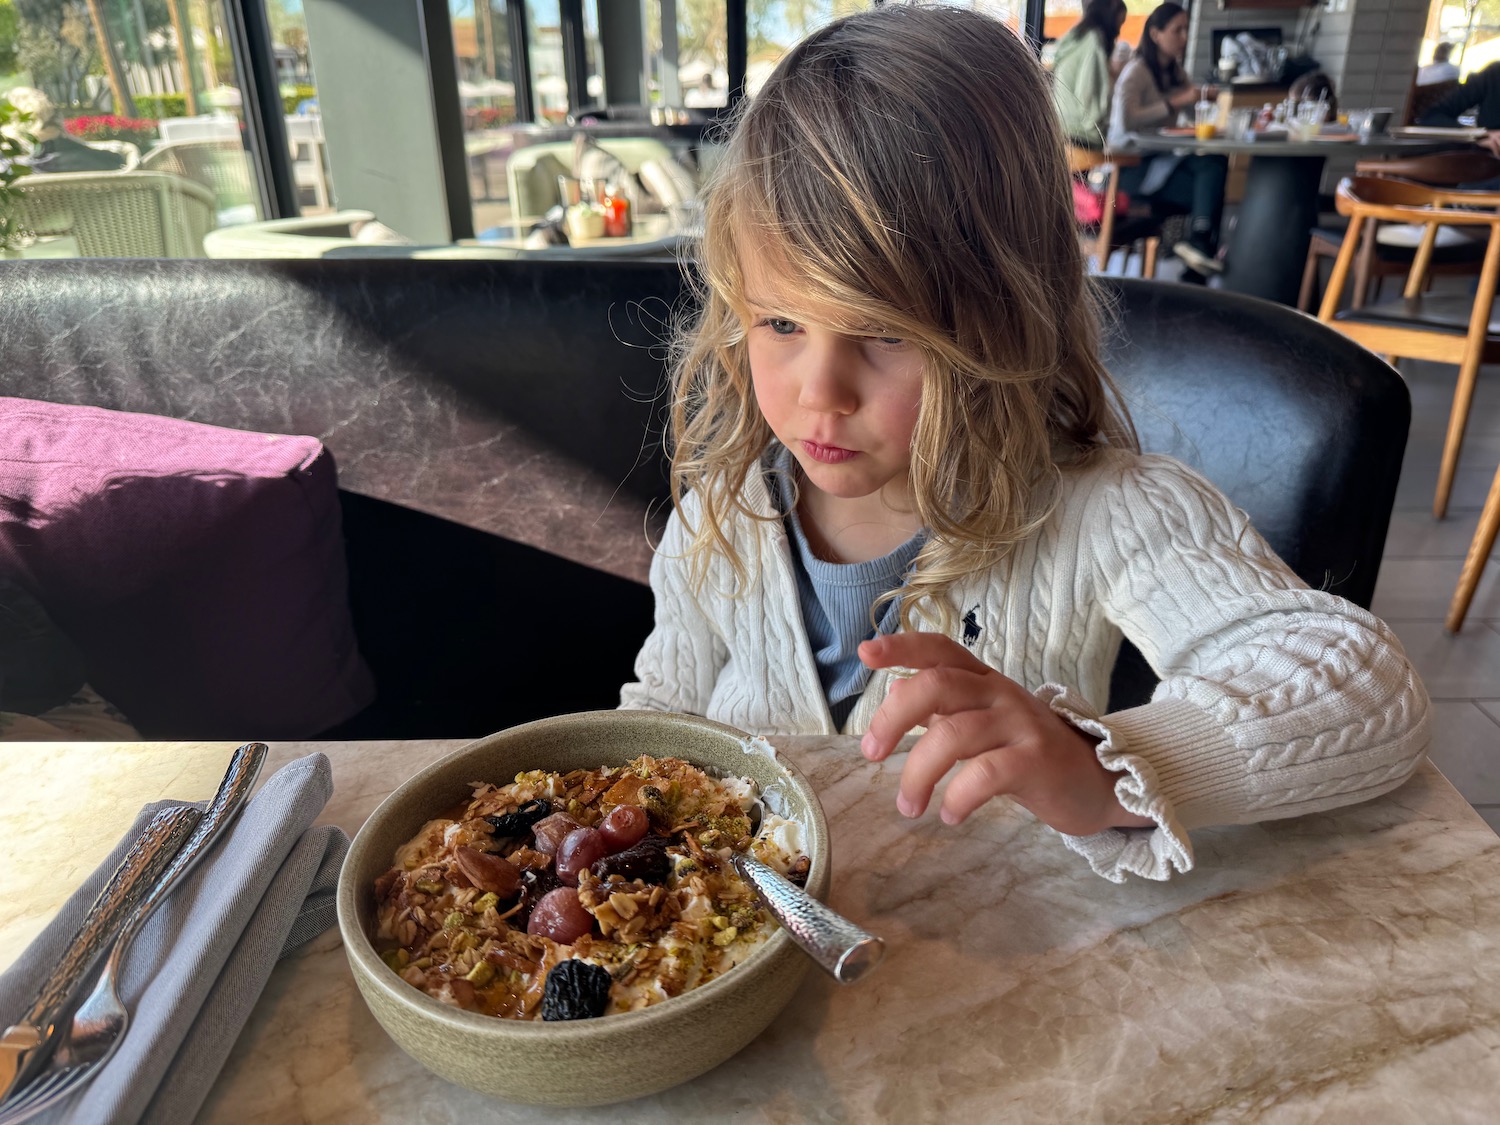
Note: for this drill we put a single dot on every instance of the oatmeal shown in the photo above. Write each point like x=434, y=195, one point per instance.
x=568, y=896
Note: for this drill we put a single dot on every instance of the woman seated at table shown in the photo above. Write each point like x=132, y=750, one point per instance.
x=1084, y=72
x=1152, y=90
x=1478, y=94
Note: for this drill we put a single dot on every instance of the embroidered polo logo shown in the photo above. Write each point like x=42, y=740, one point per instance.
x=971, y=627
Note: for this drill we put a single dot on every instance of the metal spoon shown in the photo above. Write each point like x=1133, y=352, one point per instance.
x=844, y=950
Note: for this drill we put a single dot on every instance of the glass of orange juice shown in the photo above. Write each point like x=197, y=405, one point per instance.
x=1205, y=123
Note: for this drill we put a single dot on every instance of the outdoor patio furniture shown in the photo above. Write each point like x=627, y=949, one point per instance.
x=119, y=214
x=304, y=135
x=222, y=166
x=532, y=171
x=202, y=128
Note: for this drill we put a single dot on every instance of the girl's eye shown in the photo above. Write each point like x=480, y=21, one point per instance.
x=891, y=341
x=779, y=326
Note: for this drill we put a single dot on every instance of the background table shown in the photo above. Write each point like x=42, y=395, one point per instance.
x=1336, y=967
x=1268, y=249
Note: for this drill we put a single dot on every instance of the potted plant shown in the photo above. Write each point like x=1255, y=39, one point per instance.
x=15, y=145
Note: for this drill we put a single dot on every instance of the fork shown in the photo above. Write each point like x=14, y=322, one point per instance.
x=101, y=1020
x=46, y=1091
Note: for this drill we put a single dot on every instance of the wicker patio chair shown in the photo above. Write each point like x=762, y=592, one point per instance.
x=222, y=166
x=119, y=214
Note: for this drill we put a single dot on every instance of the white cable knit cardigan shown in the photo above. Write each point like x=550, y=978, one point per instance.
x=1276, y=700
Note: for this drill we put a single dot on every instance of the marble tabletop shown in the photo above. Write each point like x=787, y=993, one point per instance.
x=1337, y=967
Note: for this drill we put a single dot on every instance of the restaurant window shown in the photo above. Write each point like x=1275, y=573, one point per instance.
x=153, y=88
x=549, y=81
x=687, y=44
x=1060, y=16
x=774, y=27
x=487, y=96
x=1470, y=29
x=298, y=89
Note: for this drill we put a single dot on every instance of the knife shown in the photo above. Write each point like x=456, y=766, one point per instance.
x=24, y=1046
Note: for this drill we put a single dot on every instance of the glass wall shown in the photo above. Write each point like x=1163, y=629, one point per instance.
x=1471, y=32
x=487, y=93
x=1059, y=16
x=117, y=88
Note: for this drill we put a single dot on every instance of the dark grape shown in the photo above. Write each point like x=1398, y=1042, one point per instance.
x=561, y=917
x=575, y=990
x=579, y=849
x=624, y=827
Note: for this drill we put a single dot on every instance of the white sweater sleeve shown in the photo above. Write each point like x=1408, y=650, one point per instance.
x=679, y=664
x=1276, y=700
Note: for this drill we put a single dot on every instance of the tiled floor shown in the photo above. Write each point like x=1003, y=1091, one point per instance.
x=1419, y=572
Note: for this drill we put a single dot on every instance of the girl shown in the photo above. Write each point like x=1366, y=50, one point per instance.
x=1083, y=73
x=895, y=450
x=1152, y=90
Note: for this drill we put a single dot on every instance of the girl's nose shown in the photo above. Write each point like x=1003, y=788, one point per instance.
x=826, y=385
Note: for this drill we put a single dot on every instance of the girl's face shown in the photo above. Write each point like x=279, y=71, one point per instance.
x=1172, y=39
x=845, y=405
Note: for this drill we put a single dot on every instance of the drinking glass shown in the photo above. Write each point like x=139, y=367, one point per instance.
x=1205, y=124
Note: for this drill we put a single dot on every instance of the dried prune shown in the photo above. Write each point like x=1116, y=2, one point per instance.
x=647, y=861
x=519, y=823
x=575, y=990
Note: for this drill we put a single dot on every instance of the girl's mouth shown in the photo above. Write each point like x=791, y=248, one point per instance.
x=828, y=454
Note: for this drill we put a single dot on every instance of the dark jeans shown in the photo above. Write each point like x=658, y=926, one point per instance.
x=1195, y=188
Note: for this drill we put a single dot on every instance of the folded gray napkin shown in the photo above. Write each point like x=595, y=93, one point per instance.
x=196, y=970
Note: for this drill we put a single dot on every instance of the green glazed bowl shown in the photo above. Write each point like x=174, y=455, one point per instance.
x=582, y=1062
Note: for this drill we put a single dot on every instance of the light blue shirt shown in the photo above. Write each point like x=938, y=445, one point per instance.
x=835, y=598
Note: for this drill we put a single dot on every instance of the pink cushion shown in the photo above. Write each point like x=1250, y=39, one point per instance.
x=199, y=569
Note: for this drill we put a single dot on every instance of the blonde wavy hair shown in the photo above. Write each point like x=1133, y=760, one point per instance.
x=907, y=165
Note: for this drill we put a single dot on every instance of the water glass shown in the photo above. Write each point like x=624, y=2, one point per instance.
x=1239, y=123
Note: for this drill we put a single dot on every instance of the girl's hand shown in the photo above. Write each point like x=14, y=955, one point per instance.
x=1012, y=742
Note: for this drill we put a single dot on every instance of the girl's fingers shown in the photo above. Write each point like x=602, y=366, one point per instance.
x=984, y=776
x=919, y=650
x=950, y=740
x=914, y=702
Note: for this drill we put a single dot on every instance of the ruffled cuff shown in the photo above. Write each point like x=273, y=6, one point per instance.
x=1151, y=853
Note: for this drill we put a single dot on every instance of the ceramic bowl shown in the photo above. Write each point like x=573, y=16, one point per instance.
x=583, y=1062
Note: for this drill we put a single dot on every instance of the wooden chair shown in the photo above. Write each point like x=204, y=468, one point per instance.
x=1113, y=233
x=1448, y=329
x=1378, y=260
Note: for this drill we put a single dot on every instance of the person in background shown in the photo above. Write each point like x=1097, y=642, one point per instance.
x=1439, y=69
x=1084, y=72
x=55, y=151
x=1310, y=87
x=1478, y=94
x=906, y=492
x=1152, y=90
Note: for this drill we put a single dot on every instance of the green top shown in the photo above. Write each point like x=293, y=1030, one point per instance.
x=1081, y=86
